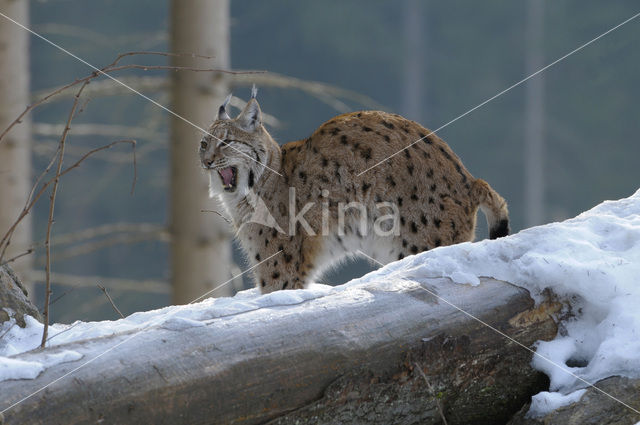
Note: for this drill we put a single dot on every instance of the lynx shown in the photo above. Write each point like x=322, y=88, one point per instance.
x=303, y=206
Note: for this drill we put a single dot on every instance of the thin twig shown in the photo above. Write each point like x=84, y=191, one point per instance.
x=52, y=202
x=110, y=229
x=220, y=214
x=113, y=284
x=12, y=259
x=326, y=93
x=95, y=129
x=110, y=300
x=4, y=242
x=113, y=67
x=433, y=391
x=135, y=167
x=56, y=299
x=157, y=53
x=117, y=239
x=46, y=147
x=6, y=239
x=7, y=331
x=182, y=68
x=66, y=330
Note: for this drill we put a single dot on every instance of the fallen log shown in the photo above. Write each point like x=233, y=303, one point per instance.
x=368, y=354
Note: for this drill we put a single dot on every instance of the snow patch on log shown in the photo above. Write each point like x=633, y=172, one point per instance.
x=545, y=402
x=591, y=261
x=22, y=369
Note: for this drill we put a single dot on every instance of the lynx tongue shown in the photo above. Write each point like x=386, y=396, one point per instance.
x=227, y=176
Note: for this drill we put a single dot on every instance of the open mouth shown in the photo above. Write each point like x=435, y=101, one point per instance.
x=229, y=177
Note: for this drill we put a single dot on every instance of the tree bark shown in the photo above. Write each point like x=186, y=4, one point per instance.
x=15, y=149
x=365, y=355
x=534, y=117
x=200, y=241
x=413, y=99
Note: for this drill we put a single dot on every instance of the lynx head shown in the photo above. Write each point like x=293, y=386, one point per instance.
x=236, y=150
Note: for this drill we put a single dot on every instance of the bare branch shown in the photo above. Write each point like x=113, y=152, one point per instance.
x=4, y=242
x=47, y=147
x=96, y=129
x=220, y=214
x=95, y=38
x=52, y=202
x=7, y=331
x=94, y=151
x=12, y=259
x=114, y=284
x=56, y=299
x=327, y=93
x=158, y=53
x=157, y=230
x=135, y=167
x=322, y=91
x=118, y=239
x=180, y=68
x=114, y=67
x=110, y=300
x=142, y=83
x=63, y=331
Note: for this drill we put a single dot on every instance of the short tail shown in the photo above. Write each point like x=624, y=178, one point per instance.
x=493, y=206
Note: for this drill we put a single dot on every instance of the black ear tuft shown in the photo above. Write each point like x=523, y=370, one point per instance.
x=222, y=111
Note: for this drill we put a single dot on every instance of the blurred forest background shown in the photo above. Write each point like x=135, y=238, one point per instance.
x=430, y=61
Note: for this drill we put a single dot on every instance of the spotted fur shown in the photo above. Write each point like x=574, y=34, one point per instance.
x=436, y=197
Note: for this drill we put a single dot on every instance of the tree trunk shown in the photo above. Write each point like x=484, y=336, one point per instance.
x=414, y=59
x=200, y=241
x=534, y=117
x=15, y=148
x=363, y=355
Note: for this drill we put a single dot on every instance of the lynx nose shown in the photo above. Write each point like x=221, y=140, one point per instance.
x=208, y=162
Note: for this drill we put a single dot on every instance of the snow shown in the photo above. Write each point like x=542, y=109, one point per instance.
x=592, y=261
x=19, y=369
x=544, y=402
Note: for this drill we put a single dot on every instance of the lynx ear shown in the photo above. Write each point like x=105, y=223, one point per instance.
x=250, y=119
x=222, y=111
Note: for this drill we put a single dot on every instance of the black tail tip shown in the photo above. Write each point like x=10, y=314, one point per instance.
x=500, y=230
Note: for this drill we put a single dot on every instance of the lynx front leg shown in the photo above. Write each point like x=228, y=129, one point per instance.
x=291, y=268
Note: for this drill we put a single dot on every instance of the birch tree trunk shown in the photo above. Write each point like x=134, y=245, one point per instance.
x=200, y=241
x=534, y=117
x=15, y=149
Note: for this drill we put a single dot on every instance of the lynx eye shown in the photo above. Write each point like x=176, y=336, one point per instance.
x=203, y=144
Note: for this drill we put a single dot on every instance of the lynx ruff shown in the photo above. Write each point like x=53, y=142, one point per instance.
x=305, y=201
